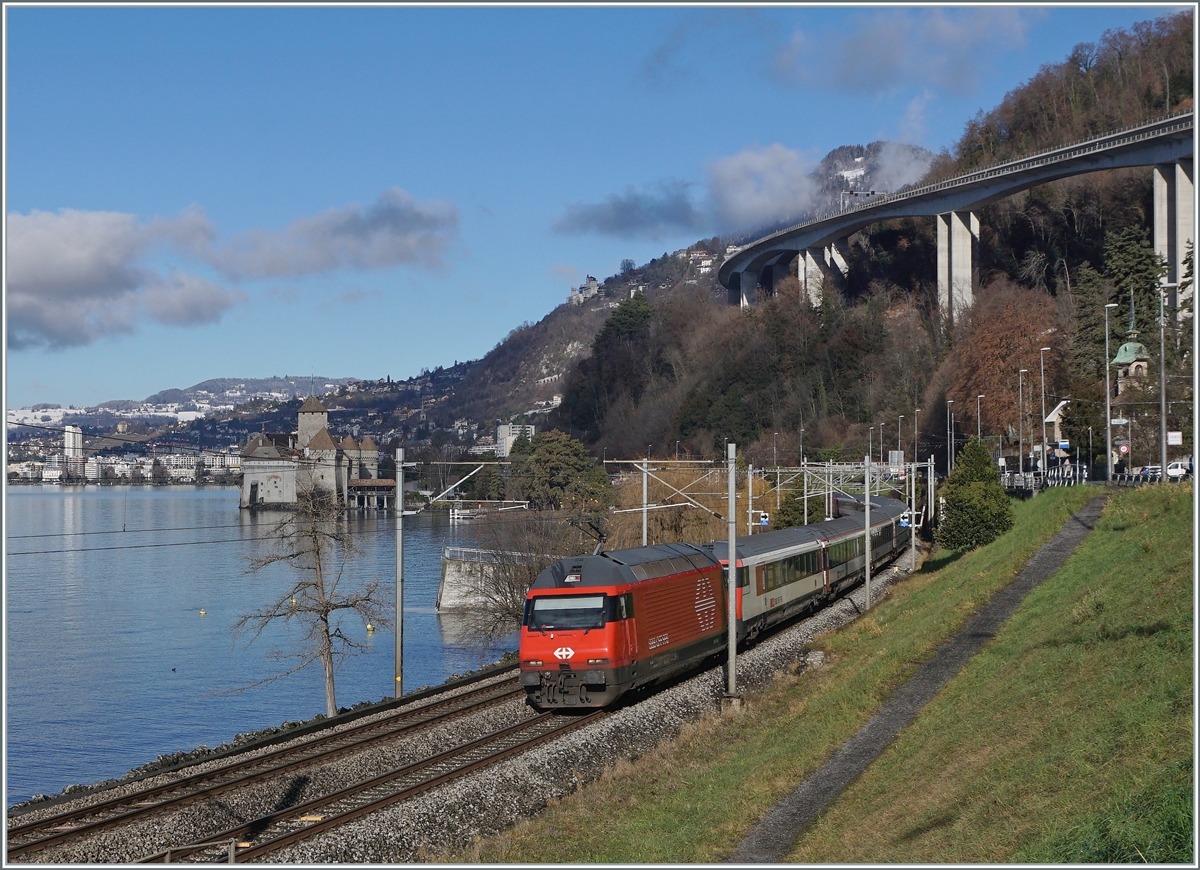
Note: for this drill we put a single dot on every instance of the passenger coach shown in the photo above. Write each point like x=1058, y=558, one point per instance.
x=784, y=573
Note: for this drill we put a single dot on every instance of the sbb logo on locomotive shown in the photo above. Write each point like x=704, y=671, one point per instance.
x=564, y=652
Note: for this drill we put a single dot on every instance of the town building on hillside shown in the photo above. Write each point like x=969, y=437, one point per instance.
x=508, y=433
x=585, y=291
x=276, y=465
x=1132, y=362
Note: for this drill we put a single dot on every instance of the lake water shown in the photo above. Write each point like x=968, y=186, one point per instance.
x=109, y=662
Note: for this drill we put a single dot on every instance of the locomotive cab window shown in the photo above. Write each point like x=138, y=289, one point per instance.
x=564, y=612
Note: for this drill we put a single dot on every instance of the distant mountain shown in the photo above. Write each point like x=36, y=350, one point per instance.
x=882, y=167
x=240, y=389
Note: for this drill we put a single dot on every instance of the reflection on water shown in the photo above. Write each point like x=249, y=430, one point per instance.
x=110, y=662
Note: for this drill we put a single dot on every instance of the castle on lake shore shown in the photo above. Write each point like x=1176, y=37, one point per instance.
x=276, y=465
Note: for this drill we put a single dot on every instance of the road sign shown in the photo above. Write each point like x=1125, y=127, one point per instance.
x=1174, y=439
x=1124, y=448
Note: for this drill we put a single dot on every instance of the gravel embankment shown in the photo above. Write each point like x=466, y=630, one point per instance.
x=478, y=805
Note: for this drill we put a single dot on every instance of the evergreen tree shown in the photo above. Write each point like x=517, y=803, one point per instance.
x=977, y=508
x=1135, y=271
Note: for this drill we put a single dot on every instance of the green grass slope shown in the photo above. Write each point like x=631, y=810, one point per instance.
x=1067, y=738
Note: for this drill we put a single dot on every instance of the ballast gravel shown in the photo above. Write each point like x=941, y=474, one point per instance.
x=478, y=805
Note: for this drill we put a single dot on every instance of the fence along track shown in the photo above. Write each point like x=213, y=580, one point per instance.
x=63, y=827
x=278, y=830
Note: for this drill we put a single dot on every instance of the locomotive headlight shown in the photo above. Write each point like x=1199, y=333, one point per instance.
x=597, y=661
x=532, y=663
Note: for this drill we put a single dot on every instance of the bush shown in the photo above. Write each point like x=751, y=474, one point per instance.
x=977, y=508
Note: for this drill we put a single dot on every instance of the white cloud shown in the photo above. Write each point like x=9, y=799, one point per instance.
x=912, y=123
x=395, y=230
x=663, y=211
x=74, y=277
x=758, y=186
x=947, y=50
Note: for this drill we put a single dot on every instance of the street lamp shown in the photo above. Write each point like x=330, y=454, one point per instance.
x=676, y=451
x=774, y=451
x=898, y=432
x=1045, y=461
x=949, y=440
x=871, y=440
x=1162, y=379
x=916, y=436
x=1108, y=463
x=801, y=446
x=1021, y=420
x=978, y=423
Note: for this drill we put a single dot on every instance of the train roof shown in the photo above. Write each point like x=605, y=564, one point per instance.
x=749, y=546
x=620, y=567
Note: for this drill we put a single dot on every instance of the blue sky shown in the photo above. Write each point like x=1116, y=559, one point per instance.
x=360, y=192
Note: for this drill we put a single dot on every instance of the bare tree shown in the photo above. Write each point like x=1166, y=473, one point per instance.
x=520, y=545
x=316, y=544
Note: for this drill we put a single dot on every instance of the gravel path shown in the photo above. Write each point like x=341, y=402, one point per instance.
x=784, y=823
x=481, y=804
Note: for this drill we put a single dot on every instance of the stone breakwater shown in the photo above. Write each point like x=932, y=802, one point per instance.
x=478, y=805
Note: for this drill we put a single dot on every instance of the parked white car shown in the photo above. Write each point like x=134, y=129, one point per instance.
x=1179, y=469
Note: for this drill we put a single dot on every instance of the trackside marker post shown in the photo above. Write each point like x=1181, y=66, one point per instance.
x=867, y=524
x=400, y=572
x=731, y=583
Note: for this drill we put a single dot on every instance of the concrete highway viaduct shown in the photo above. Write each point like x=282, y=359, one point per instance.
x=820, y=245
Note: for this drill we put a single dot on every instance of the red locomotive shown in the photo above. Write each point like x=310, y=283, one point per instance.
x=597, y=626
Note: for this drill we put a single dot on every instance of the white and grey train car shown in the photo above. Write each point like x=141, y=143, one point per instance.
x=784, y=573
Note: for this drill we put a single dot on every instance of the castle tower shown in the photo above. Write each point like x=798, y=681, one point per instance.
x=311, y=419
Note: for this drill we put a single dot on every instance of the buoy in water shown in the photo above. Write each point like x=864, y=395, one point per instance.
x=370, y=628
x=203, y=611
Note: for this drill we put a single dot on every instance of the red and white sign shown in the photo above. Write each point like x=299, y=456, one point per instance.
x=564, y=652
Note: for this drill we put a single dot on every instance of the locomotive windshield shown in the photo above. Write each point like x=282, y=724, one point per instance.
x=565, y=611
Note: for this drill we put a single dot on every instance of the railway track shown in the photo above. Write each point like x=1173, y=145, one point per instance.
x=276, y=831
x=60, y=828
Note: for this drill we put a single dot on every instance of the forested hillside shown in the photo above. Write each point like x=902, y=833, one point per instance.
x=690, y=369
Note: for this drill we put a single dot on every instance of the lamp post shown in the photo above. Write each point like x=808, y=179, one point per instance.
x=916, y=435
x=949, y=440
x=1162, y=380
x=1021, y=420
x=1045, y=461
x=1108, y=463
x=978, y=422
x=901, y=417
x=871, y=440
x=801, y=446
x=676, y=451
x=774, y=451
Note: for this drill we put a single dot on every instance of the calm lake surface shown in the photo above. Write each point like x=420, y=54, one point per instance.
x=109, y=662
